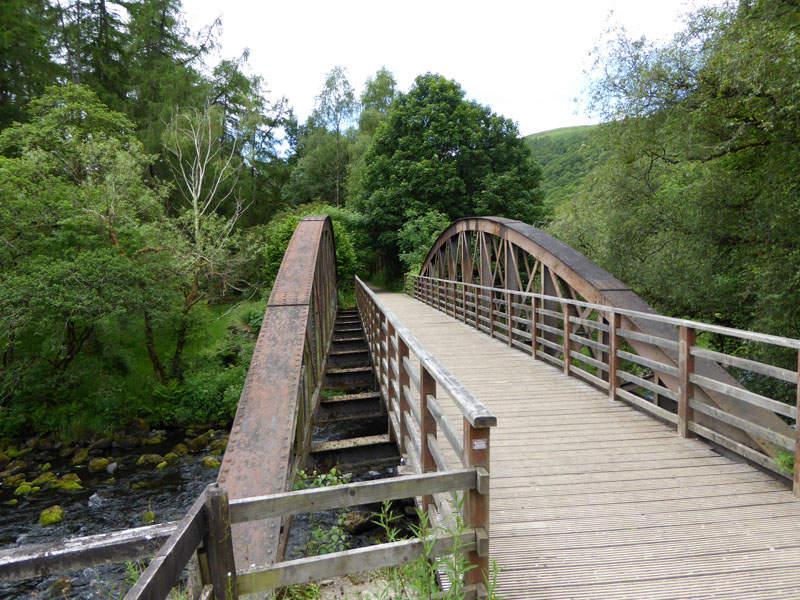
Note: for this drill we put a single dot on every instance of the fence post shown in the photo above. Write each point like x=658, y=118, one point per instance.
x=491, y=312
x=427, y=386
x=403, y=382
x=566, y=311
x=476, y=505
x=534, y=329
x=796, y=477
x=509, y=317
x=685, y=387
x=613, y=358
x=391, y=354
x=219, y=544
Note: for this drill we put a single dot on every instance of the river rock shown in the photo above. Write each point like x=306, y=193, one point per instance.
x=23, y=489
x=156, y=437
x=149, y=459
x=13, y=481
x=98, y=464
x=180, y=449
x=211, y=462
x=68, y=483
x=81, y=456
x=52, y=515
x=4, y=459
x=358, y=521
x=96, y=500
x=60, y=588
x=199, y=443
x=170, y=457
x=124, y=441
x=112, y=467
x=104, y=443
x=220, y=444
x=44, y=478
x=13, y=452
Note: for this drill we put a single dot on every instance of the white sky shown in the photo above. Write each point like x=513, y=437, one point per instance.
x=526, y=59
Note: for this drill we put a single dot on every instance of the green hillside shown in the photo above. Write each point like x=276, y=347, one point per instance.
x=566, y=155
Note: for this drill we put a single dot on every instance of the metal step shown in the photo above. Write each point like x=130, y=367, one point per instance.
x=369, y=452
x=348, y=378
x=349, y=358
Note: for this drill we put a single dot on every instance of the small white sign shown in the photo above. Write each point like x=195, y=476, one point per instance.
x=479, y=444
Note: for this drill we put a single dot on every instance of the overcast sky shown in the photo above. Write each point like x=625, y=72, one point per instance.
x=525, y=59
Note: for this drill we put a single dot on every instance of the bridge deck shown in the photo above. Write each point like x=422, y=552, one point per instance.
x=591, y=499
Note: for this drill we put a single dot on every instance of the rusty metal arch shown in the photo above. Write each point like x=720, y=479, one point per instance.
x=270, y=438
x=512, y=255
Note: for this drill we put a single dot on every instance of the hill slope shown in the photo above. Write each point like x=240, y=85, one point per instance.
x=567, y=155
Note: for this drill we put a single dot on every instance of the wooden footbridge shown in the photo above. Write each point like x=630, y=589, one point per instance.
x=549, y=420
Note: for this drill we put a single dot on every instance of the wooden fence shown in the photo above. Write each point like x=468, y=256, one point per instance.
x=594, y=342
x=413, y=398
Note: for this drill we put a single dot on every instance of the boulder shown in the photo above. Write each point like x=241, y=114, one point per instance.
x=149, y=459
x=44, y=478
x=98, y=464
x=51, y=515
x=199, y=443
x=81, y=456
x=180, y=449
x=23, y=489
x=211, y=462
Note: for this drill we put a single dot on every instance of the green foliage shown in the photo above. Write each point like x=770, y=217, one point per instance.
x=346, y=232
x=417, y=236
x=438, y=151
x=785, y=461
x=325, y=537
x=566, y=155
x=695, y=201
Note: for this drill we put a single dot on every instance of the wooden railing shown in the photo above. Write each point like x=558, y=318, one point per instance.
x=416, y=400
x=595, y=343
x=206, y=531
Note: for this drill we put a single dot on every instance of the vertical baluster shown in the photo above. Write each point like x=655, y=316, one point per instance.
x=477, y=309
x=685, y=386
x=427, y=426
x=796, y=477
x=464, y=301
x=391, y=356
x=509, y=317
x=491, y=312
x=566, y=311
x=382, y=375
x=534, y=330
x=476, y=504
x=403, y=382
x=613, y=357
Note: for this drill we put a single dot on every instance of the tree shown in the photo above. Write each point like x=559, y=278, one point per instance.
x=336, y=107
x=438, y=151
x=695, y=203
x=26, y=55
x=81, y=242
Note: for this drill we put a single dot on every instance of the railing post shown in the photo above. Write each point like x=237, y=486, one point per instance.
x=509, y=318
x=566, y=311
x=382, y=375
x=476, y=504
x=534, y=329
x=614, y=322
x=219, y=544
x=796, y=475
x=491, y=312
x=464, y=301
x=477, y=309
x=391, y=355
x=403, y=382
x=685, y=386
x=427, y=387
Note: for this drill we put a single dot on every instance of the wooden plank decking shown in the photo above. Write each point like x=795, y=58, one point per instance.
x=591, y=499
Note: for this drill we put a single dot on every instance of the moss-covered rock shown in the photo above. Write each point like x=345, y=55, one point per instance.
x=81, y=456
x=12, y=452
x=4, y=459
x=170, y=457
x=98, y=464
x=149, y=459
x=44, y=478
x=52, y=515
x=68, y=483
x=45, y=467
x=211, y=462
x=199, y=443
x=220, y=444
x=23, y=489
x=12, y=481
x=180, y=449
x=161, y=466
x=12, y=502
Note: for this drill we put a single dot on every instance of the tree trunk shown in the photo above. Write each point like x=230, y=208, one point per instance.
x=158, y=366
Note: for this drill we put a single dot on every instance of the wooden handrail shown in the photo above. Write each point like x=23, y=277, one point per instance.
x=564, y=341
